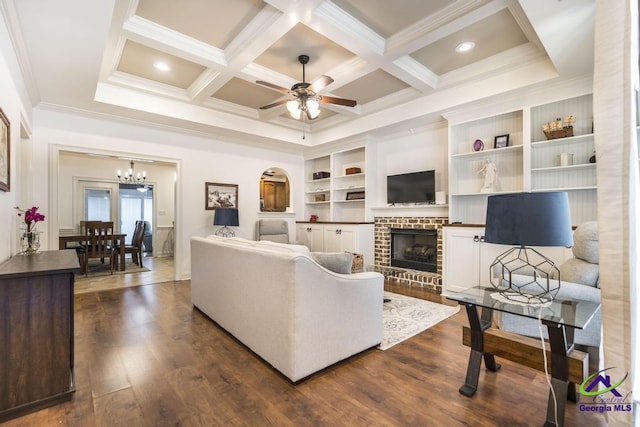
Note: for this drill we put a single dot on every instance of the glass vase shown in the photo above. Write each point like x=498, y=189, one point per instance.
x=29, y=241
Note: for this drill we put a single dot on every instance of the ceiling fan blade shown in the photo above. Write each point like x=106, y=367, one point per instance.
x=338, y=101
x=275, y=104
x=272, y=86
x=320, y=83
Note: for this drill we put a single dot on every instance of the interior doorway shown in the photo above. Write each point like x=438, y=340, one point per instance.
x=72, y=172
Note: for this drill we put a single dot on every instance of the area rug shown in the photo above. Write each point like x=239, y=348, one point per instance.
x=96, y=269
x=405, y=317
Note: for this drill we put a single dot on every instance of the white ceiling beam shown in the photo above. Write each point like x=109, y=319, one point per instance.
x=155, y=104
x=454, y=18
x=496, y=83
x=414, y=73
x=354, y=29
x=159, y=37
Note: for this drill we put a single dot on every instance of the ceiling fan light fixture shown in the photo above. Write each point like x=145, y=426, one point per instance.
x=313, y=107
x=294, y=109
x=306, y=99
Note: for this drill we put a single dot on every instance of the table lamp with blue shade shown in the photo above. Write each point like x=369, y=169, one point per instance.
x=522, y=273
x=227, y=217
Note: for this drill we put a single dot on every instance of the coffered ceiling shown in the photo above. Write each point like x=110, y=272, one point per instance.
x=398, y=59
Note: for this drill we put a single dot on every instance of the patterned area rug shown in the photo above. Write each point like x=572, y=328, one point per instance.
x=405, y=317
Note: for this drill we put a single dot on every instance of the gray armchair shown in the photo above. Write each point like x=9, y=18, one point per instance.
x=275, y=230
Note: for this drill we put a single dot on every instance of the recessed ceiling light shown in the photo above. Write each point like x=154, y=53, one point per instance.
x=465, y=46
x=162, y=66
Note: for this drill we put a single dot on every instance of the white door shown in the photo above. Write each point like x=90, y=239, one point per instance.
x=95, y=201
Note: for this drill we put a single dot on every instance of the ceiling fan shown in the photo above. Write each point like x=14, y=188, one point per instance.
x=305, y=95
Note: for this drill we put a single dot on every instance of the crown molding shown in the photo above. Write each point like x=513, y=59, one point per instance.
x=19, y=48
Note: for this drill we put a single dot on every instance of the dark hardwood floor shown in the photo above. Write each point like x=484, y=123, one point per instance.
x=145, y=357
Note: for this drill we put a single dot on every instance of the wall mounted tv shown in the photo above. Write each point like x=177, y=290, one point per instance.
x=416, y=187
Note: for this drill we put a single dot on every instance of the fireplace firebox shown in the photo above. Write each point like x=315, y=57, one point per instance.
x=416, y=249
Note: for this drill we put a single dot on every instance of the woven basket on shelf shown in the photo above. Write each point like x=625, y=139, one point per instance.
x=559, y=133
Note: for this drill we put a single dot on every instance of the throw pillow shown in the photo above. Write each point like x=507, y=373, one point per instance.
x=585, y=242
x=338, y=262
x=576, y=270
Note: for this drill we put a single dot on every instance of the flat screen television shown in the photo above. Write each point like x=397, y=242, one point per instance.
x=416, y=187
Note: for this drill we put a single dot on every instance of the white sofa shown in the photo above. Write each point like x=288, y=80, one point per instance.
x=279, y=302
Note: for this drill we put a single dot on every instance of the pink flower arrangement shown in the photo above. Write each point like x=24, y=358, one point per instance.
x=31, y=217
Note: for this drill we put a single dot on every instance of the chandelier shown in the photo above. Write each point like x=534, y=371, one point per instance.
x=130, y=178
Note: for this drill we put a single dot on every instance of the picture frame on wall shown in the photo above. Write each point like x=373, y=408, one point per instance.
x=217, y=195
x=5, y=152
x=501, y=141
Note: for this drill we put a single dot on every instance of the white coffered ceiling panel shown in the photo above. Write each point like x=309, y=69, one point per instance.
x=386, y=55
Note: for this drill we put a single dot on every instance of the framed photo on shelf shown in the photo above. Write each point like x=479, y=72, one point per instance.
x=5, y=152
x=355, y=195
x=218, y=195
x=501, y=141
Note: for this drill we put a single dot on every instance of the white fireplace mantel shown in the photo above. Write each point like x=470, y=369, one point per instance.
x=426, y=211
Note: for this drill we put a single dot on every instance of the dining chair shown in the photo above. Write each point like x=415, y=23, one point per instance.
x=135, y=247
x=99, y=243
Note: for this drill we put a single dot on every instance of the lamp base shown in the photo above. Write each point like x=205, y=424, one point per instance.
x=524, y=275
x=225, y=232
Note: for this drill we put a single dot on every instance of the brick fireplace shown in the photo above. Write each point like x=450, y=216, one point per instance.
x=383, y=254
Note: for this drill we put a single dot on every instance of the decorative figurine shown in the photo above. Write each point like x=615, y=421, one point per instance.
x=490, y=176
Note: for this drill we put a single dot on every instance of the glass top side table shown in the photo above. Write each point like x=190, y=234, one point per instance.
x=560, y=316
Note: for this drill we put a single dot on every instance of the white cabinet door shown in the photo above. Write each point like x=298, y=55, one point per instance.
x=340, y=238
x=312, y=236
x=461, y=260
x=468, y=258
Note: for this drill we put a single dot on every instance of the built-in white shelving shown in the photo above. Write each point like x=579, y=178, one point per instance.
x=530, y=162
x=338, y=189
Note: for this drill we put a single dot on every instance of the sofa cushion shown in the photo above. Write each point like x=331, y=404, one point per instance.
x=338, y=262
x=282, y=247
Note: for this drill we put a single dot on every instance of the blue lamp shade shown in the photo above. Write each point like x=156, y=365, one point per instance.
x=226, y=216
x=529, y=219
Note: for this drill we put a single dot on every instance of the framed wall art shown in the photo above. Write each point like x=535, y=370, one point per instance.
x=218, y=195
x=5, y=152
x=501, y=141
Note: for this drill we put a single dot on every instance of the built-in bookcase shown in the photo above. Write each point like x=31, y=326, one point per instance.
x=344, y=194
x=530, y=162
x=578, y=178
x=467, y=201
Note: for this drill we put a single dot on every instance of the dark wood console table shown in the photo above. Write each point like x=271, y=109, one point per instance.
x=36, y=331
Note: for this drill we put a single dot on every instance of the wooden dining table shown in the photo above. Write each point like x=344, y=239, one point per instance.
x=80, y=239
